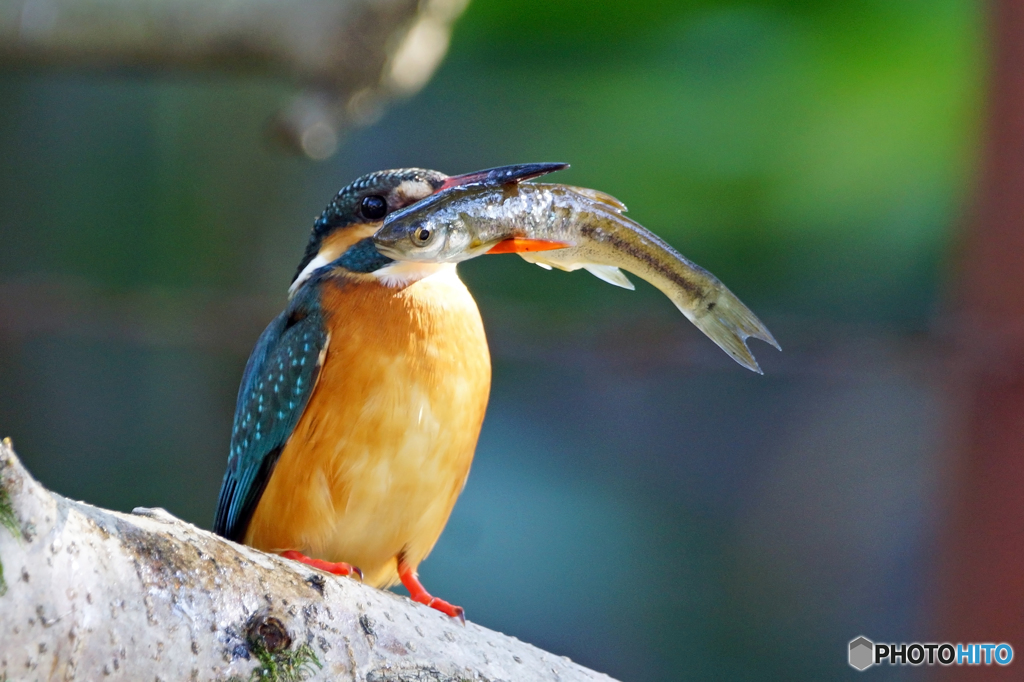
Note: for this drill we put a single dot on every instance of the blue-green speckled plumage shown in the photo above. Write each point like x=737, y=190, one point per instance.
x=283, y=368
x=276, y=386
x=362, y=256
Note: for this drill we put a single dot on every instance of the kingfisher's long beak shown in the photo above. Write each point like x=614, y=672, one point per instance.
x=503, y=175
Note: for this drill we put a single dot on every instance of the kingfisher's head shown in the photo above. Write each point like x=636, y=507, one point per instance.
x=359, y=209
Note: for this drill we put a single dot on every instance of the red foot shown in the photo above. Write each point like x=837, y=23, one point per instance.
x=337, y=568
x=418, y=593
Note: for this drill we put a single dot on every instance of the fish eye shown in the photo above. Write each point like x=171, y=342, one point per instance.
x=423, y=235
x=373, y=207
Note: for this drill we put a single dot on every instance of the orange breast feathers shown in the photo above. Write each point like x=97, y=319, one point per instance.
x=384, y=446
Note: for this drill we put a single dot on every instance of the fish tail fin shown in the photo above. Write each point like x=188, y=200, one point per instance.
x=729, y=323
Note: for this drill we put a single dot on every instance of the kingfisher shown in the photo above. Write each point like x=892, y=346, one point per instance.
x=361, y=404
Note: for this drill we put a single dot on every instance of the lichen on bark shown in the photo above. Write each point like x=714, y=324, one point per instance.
x=8, y=520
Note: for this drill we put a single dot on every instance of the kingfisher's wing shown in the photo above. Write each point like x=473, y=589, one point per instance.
x=278, y=380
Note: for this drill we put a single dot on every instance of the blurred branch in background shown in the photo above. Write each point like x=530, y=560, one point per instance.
x=622, y=343
x=984, y=553
x=348, y=57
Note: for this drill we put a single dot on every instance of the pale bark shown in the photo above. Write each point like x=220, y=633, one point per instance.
x=348, y=56
x=94, y=594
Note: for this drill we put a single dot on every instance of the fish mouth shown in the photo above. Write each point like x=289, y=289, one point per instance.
x=394, y=253
x=502, y=175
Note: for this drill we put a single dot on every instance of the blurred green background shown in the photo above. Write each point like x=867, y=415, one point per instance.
x=639, y=502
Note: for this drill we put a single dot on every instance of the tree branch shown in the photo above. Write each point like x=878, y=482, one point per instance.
x=89, y=593
x=348, y=56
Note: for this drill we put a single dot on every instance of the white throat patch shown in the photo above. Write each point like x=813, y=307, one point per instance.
x=314, y=264
x=403, y=273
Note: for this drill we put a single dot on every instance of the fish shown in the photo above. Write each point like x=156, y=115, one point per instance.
x=569, y=228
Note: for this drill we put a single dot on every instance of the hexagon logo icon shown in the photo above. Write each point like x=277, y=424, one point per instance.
x=862, y=653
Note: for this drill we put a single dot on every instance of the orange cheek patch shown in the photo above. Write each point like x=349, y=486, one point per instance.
x=338, y=242
x=520, y=245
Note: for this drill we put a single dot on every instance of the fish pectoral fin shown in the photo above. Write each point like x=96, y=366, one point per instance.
x=539, y=259
x=610, y=274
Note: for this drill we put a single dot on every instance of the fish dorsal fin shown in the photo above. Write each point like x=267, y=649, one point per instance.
x=600, y=197
x=610, y=274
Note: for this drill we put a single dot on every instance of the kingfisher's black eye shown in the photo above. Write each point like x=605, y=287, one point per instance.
x=423, y=235
x=373, y=207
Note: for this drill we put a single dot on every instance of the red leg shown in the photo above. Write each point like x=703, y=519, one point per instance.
x=418, y=593
x=337, y=568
